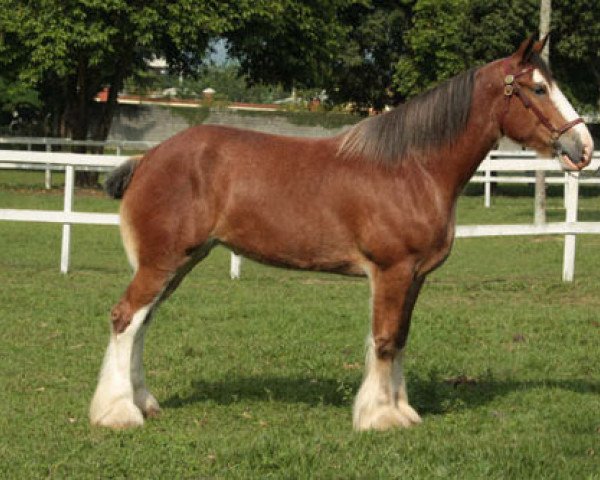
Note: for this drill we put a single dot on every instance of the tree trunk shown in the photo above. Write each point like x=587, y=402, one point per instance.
x=79, y=93
x=116, y=83
x=540, y=176
x=596, y=75
x=78, y=116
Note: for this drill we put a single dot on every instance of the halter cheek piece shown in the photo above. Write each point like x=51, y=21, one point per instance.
x=513, y=88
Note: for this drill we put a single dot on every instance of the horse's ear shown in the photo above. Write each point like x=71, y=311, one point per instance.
x=540, y=44
x=526, y=49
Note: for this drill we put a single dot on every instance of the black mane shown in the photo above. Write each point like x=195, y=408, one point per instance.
x=428, y=121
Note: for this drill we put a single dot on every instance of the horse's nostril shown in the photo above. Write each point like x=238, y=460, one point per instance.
x=570, y=146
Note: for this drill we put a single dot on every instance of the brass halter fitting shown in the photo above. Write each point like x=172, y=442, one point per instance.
x=508, y=85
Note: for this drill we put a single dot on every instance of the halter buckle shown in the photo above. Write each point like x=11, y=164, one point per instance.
x=509, y=79
x=509, y=89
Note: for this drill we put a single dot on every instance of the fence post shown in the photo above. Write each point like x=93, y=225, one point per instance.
x=540, y=198
x=571, y=201
x=487, y=189
x=68, y=207
x=236, y=264
x=48, y=173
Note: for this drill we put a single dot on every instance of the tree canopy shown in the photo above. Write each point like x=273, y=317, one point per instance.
x=448, y=37
x=575, y=50
x=363, y=71
x=70, y=49
x=58, y=54
x=451, y=36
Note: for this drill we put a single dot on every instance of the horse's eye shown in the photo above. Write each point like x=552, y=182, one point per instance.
x=539, y=89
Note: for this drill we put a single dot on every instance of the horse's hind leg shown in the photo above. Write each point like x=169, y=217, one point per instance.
x=122, y=399
x=142, y=398
x=121, y=375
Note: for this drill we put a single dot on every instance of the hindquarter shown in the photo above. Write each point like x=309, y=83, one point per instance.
x=170, y=207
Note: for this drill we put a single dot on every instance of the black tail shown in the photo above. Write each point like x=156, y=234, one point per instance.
x=118, y=180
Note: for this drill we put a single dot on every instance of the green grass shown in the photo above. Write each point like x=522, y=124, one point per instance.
x=256, y=377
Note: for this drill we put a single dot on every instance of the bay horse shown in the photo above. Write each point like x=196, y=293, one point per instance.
x=377, y=200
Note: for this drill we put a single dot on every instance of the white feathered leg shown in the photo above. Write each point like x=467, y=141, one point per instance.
x=399, y=395
x=142, y=398
x=113, y=403
x=381, y=402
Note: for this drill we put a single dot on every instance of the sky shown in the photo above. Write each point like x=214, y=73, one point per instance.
x=219, y=55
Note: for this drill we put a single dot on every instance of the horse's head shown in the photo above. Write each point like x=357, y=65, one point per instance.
x=537, y=114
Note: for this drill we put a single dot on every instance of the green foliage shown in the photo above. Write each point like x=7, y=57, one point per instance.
x=369, y=52
x=436, y=42
x=292, y=43
x=230, y=85
x=16, y=94
x=70, y=50
x=363, y=70
x=193, y=116
x=449, y=37
x=575, y=50
x=57, y=36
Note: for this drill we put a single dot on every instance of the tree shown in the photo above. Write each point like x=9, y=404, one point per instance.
x=348, y=47
x=295, y=44
x=69, y=50
x=449, y=37
x=363, y=72
x=14, y=95
x=575, y=50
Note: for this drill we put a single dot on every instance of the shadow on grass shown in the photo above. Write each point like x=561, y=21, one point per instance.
x=280, y=389
x=430, y=395
x=435, y=395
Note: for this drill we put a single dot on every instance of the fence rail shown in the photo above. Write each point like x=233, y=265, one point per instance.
x=495, y=162
x=50, y=143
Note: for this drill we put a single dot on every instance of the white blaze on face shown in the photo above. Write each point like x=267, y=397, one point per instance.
x=566, y=110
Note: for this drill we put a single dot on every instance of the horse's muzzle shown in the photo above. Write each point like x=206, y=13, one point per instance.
x=572, y=152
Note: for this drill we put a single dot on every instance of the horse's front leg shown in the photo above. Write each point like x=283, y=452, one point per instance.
x=382, y=401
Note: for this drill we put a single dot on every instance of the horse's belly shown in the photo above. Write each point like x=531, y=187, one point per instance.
x=292, y=247
x=340, y=266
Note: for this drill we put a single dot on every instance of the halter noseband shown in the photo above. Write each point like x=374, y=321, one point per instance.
x=512, y=88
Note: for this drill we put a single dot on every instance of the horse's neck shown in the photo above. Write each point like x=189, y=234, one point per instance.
x=458, y=162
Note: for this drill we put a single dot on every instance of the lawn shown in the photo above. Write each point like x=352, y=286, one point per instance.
x=256, y=377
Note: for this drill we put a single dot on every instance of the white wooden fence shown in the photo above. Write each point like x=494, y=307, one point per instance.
x=49, y=142
x=484, y=174
x=496, y=162
x=68, y=161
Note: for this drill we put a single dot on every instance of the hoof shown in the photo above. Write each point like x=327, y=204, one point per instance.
x=386, y=417
x=410, y=413
x=118, y=415
x=146, y=402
